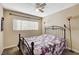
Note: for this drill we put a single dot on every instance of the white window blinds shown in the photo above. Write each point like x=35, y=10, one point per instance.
x=24, y=25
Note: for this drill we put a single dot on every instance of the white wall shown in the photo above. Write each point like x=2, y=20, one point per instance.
x=1, y=33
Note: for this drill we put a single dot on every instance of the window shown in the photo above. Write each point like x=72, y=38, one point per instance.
x=24, y=25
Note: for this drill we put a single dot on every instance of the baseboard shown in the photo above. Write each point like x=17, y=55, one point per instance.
x=10, y=46
x=73, y=50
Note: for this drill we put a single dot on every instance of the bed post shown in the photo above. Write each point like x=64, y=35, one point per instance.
x=19, y=36
x=65, y=35
x=64, y=31
x=32, y=48
x=19, y=41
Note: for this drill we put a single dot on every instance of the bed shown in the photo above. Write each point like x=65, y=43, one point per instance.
x=52, y=42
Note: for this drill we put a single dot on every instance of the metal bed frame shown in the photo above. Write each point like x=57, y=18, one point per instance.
x=25, y=49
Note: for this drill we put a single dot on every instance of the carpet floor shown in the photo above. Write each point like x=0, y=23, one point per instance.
x=15, y=51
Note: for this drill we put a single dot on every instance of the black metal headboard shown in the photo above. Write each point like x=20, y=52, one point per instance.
x=56, y=30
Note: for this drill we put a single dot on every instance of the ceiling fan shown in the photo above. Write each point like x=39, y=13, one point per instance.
x=40, y=7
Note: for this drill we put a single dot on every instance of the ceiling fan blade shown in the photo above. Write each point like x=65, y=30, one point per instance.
x=38, y=5
x=43, y=4
x=41, y=10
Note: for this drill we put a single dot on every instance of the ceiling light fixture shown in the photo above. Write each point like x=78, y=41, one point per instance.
x=40, y=7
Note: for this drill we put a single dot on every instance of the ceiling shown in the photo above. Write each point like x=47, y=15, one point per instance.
x=29, y=8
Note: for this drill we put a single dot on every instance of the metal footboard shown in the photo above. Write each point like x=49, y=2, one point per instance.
x=24, y=47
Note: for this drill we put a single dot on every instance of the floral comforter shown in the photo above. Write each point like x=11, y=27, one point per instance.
x=47, y=44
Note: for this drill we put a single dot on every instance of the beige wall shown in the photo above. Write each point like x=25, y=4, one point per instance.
x=10, y=36
x=60, y=18
x=1, y=33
